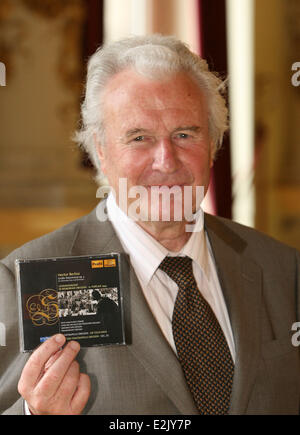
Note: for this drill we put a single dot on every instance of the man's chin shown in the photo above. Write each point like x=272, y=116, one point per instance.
x=161, y=213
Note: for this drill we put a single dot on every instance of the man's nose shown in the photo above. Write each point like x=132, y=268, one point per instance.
x=165, y=157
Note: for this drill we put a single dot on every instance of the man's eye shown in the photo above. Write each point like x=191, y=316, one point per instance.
x=183, y=136
x=139, y=138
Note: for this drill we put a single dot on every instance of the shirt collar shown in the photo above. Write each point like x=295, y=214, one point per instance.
x=140, y=246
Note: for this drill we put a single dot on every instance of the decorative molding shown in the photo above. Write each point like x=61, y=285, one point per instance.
x=69, y=17
x=12, y=35
x=293, y=24
x=50, y=8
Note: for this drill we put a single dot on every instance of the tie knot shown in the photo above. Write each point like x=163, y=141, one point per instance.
x=179, y=269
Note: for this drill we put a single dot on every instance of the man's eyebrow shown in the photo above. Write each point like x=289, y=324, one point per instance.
x=135, y=131
x=194, y=128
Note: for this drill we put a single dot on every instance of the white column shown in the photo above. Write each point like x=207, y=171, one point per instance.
x=240, y=32
x=117, y=19
x=139, y=17
x=123, y=18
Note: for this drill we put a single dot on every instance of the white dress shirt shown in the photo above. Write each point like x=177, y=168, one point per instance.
x=159, y=289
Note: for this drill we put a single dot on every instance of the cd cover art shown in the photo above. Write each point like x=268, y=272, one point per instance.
x=80, y=297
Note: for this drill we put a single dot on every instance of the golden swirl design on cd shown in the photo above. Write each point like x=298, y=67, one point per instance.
x=43, y=308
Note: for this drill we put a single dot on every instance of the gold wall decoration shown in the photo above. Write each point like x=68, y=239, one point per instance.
x=50, y=8
x=72, y=14
x=13, y=32
x=293, y=24
x=40, y=174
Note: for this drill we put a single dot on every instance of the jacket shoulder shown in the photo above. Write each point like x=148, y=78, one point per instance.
x=249, y=238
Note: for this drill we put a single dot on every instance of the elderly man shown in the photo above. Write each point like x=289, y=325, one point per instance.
x=209, y=312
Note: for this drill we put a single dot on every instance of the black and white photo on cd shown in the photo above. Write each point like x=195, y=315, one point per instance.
x=73, y=303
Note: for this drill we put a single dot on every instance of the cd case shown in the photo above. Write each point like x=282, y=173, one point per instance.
x=80, y=297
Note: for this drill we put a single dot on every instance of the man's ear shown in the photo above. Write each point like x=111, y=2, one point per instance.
x=212, y=154
x=100, y=151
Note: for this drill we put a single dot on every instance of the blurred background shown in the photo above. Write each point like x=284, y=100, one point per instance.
x=45, y=181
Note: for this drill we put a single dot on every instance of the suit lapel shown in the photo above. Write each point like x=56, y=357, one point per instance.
x=240, y=279
x=146, y=341
x=155, y=354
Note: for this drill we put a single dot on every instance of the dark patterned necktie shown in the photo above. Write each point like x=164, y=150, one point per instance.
x=201, y=345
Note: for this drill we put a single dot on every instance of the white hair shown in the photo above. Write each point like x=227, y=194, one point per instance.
x=154, y=56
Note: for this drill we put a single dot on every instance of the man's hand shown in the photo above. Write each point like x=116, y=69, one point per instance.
x=51, y=382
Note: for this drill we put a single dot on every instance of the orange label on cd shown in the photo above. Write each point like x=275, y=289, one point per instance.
x=110, y=263
x=97, y=263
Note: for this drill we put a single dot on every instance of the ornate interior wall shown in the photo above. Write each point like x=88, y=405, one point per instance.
x=42, y=182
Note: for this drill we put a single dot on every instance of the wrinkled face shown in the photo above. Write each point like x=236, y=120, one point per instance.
x=156, y=135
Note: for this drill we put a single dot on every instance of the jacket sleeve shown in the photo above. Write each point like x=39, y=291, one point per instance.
x=11, y=360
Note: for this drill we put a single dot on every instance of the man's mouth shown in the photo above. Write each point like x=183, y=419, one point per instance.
x=168, y=185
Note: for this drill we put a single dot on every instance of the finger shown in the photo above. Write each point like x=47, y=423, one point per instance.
x=35, y=365
x=52, y=360
x=68, y=386
x=82, y=394
x=50, y=382
x=49, y=363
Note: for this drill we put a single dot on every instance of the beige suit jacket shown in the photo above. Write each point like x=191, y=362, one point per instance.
x=260, y=279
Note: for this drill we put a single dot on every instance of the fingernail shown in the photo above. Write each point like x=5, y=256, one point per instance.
x=59, y=339
x=74, y=345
